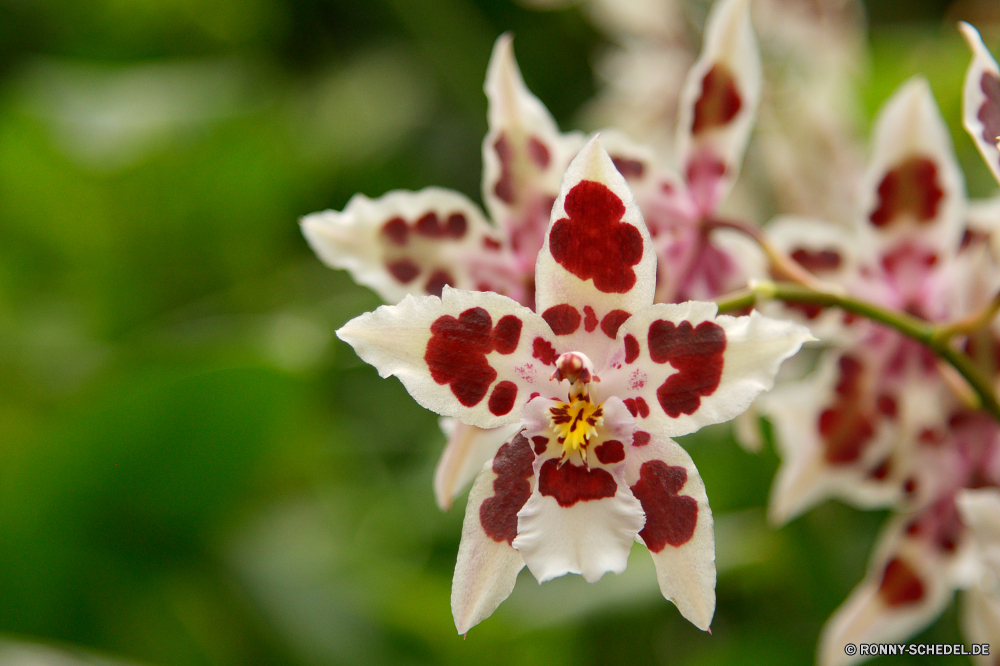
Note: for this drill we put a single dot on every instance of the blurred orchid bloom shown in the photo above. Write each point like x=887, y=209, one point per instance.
x=880, y=424
x=596, y=385
x=718, y=104
x=849, y=429
x=418, y=242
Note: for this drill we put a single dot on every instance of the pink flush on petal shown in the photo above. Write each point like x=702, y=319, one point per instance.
x=593, y=242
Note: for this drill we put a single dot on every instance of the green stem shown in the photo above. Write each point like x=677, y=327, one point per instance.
x=908, y=325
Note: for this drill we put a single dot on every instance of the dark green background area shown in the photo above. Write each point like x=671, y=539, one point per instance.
x=193, y=469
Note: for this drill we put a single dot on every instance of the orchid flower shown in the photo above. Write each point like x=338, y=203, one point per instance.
x=718, y=104
x=881, y=423
x=417, y=243
x=848, y=430
x=595, y=386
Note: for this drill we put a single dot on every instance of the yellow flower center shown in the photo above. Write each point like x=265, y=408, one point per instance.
x=575, y=423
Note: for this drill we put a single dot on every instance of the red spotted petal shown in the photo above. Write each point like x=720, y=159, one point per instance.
x=415, y=243
x=470, y=355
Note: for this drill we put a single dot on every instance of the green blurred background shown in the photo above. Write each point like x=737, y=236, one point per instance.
x=193, y=469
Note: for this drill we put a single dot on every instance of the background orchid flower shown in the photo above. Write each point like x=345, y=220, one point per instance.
x=418, y=242
x=880, y=424
x=717, y=108
x=597, y=384
x=849, y=429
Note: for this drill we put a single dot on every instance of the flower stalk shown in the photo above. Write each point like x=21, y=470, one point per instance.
x=936, y=337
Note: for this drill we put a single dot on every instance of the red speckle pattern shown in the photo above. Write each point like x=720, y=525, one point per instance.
x=989, y=112
x=396, y=231
x=631, y=348
x=818, y=261
x=562, y=319
x=640, y=438
x=491, y=244
x=613, y=321
x=541, y=443
x=610, y=452
x=630, y=169
x=542, y=350
x=900, y=585
x=502, y=398
x=719, y=101
x=456, y=352
x=912, y=187
x=593, y=242
x=670, y=518
x=697, y=353
x=846, y=427
x=538, y=152
x=571, y=483
x=513, y=467
x=403, y=270
x=589, y=319
x=504, y=187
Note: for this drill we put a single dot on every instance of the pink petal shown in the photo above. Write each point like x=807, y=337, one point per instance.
x=718, y=104
x=477, y=356
x=415, y=243
x=678, y=529
x=524, y=156
x=981, y=99
x=684, y=368
x=487, y=565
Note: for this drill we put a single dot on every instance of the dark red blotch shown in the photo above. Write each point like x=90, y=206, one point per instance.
x=593, y=242
x=610, y=452
x=846, y=426
x=697, y=353
x=719, y=101
x=670, y=518
x=912, y=187
x=562, y=319
x=900, y=584
x=571, y=483
x=613, y=321
x=511, y=489
x=456, y=352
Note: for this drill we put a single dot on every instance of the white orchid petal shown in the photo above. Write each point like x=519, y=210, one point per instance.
x=487, y=565
x=981, y=100
x=678, y=529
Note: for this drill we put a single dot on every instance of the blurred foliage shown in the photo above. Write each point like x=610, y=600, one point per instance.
x=193, y=469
